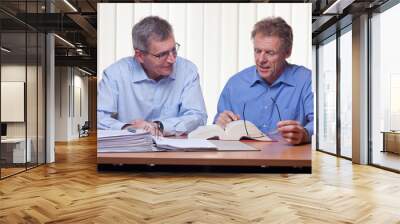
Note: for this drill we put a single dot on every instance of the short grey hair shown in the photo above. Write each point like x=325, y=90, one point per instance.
x=150, y=28
x=275, y=26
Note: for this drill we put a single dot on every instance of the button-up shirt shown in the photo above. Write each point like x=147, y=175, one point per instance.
x=126, y=93
x=292, y=92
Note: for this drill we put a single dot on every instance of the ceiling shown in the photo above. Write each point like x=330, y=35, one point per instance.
x=76, y=22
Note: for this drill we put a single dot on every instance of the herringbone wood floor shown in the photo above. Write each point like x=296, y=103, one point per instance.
x=72, y=191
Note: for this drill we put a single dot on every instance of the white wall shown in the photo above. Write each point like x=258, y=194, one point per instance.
x=61, y=104
x=33, y=125
x=17, y=73
x=215, y=36
x=71, y=94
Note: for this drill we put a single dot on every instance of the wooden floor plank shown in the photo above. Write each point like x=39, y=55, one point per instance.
x=72, y=191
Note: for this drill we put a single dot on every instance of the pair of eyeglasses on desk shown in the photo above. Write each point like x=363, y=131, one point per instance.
x=273, y=134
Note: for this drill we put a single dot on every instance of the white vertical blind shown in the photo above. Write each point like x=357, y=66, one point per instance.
x=214, y=36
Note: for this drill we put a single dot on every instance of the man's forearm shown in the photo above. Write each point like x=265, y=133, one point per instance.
x=309, y=128
x=183, y=124
x=105, y=121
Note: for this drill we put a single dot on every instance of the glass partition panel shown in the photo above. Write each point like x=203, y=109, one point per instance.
x=31, y=98
x=13, y=87
x=41, y=78
x=32, y=85
x=346, y=94
x=385, y=85
x=327, y=97
x=22, y=62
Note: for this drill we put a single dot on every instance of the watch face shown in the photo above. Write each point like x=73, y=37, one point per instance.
x=160, y=126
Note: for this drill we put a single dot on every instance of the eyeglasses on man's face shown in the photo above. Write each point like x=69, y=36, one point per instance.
x=164, y=55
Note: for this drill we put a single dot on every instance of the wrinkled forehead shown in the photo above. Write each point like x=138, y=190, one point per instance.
x=157, y=44
x=265, y=42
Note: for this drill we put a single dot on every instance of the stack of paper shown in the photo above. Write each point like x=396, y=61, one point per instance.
x=170, y=144
x=124, y=141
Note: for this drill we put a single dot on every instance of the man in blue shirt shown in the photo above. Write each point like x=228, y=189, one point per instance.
x=154, y=88
x=274, y=95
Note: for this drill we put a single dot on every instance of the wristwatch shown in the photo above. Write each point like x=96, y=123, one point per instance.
x=160, y=126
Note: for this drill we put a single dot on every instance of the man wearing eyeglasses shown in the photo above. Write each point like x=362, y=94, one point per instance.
x=155, y=90
x=274, y=95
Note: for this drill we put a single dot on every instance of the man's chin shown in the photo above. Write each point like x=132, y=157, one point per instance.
x=166, y=73
x=264, y=74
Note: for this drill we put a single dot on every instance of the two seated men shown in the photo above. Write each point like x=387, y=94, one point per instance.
x=156, y=88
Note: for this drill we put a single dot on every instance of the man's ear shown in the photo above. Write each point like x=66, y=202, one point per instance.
x=139, y=55
x=288, y=53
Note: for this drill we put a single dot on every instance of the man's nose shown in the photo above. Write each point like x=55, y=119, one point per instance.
x=263, y=57
x=171, y=57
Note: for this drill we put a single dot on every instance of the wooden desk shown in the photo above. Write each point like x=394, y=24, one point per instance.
x=272, y=154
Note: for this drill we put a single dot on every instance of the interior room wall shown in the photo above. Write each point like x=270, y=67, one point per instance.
x=61, y=103
x=16, y=72
x=71, y=102
x=80, y=105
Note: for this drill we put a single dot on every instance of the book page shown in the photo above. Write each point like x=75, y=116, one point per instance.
x=237, y=130
x=207, y=132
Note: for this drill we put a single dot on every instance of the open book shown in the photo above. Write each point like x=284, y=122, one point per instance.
x=235, y=130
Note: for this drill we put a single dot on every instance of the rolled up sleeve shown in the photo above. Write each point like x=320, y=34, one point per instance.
x=308, y=103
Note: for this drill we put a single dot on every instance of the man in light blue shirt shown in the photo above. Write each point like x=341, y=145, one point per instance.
x=273, y=94
x=154, y=88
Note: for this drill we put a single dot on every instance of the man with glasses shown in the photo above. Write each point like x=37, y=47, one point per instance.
x=274, y=95
x=155, y=90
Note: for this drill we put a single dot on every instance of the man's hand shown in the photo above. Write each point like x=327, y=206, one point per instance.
x=145, y=125
x=293, y=132
x=226, y=117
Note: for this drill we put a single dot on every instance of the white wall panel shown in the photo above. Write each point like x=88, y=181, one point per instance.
x=161, y=10
x=195, y=40
x=141, y=10
x=264, y=10
x=285, y=11
x=106, y=36
x=301, y=20
x=247, y=19
x=229, y=30
x=12, y=101
x=177, y=19
x=214, y=36
x=124, y=26
x=212, y=56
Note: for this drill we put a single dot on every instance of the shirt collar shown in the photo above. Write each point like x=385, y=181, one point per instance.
x=285, y=77
x=255, y=77
x=140, y=75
